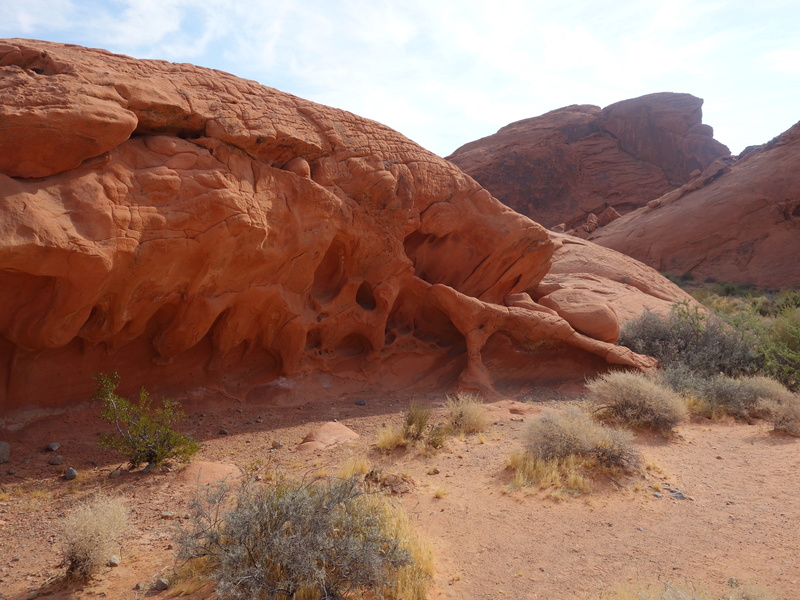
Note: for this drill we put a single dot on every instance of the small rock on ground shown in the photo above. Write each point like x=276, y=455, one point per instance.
x=161, y=584
x=53, y=446
x=70, y=474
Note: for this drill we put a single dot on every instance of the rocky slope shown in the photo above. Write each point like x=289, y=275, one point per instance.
x=581, y=160
x=204, y=234
x=738, y=221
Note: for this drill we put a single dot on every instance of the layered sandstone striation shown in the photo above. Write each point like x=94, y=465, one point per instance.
x=580, y=164
x=738, y=221
x=203, y=234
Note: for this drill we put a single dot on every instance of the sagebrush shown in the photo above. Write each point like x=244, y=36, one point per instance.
x=563, y=447
x=143, y=433
x=466, y=414
x=91, y=532
x=636, y=400
x=327, y=540
x=557, y=435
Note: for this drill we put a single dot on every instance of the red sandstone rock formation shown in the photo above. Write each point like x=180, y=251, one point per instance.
x=195, y=231
x=561, y=167
x=737, y=221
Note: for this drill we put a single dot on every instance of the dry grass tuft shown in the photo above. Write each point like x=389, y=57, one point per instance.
x=635, y=400
x=466, y=414
x=559, y=473
x=358, y=465
x=416, y=421
x=90, y=534
x=389, y=438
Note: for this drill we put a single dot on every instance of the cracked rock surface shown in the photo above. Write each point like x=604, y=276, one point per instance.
x=200, y=233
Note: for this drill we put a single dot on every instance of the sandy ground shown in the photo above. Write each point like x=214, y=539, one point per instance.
x=739, y=519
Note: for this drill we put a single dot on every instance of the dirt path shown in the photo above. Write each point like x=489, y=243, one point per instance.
x=739, y=519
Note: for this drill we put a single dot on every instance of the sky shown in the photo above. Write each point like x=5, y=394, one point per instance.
x=446, y=72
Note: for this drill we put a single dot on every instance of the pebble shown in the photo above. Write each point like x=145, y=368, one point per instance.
x=113, y=561
x=658, y=495
x=161, y=584
x=115, y=473
x=361, y=402
x=70, y=474
x=53, y=446
x=250, y=422
x=56, y=460
x=677, y=496
x=277, y=444
x=223, y=431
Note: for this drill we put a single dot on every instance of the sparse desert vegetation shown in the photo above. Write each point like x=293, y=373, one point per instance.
x=636, y=400
x=330, y=539
x=563, y=448
x=92, y=534
x=142, y=433
x=740, y=359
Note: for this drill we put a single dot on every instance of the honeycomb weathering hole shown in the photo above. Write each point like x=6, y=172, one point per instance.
x=352, y=345
x=364, y=296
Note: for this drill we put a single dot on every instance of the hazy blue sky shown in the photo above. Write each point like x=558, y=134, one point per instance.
x=445, y=72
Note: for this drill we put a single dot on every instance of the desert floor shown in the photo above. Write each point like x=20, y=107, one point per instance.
x=739, y=520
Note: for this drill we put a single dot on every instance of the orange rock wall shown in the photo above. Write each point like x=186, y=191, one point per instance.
x=204, y=234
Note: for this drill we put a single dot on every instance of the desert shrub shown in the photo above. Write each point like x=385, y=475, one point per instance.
x=311, y=541
x=571, y=432
x=779, y=347
x=466, y=414
x=416, y=421
x=744, y=397
x=785, y=417
x=90, y=535
x=637, y=400
x=437, y=436
x=783, y=410
x=702, y=343
x=144, y=434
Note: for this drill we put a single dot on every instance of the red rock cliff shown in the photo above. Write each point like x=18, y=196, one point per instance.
x=579, y=160
x=198, y=232
x=738, y=221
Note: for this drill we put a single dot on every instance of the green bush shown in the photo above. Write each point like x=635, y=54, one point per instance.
x=779, y=347
x=310, y=541
x=636, y=400
x=703, y=344
x=143, y=434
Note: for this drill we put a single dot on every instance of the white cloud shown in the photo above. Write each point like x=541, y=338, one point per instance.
x=446, y=72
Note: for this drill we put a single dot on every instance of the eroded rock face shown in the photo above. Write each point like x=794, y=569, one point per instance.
x=738, y=221
x=565, y=165
x=202, y=232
